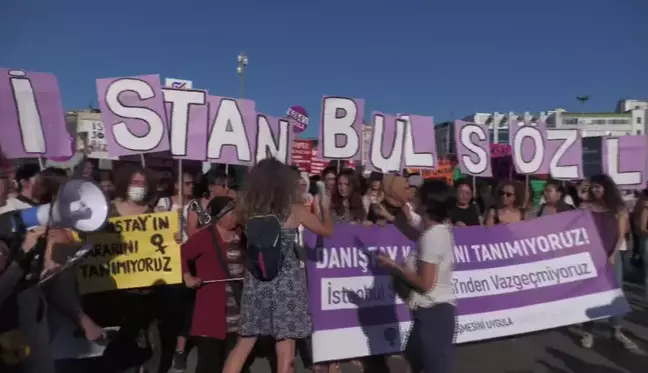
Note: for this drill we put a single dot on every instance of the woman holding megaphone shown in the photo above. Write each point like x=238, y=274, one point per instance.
x=60, y=292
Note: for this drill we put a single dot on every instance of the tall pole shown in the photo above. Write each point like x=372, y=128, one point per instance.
x=241, y=64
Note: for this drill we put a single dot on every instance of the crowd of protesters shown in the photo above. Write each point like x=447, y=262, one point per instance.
x=230, y=323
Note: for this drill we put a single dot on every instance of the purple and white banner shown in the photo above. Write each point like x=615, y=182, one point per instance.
x=509, y=279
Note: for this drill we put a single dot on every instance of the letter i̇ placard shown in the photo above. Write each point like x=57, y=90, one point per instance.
x=31, y=115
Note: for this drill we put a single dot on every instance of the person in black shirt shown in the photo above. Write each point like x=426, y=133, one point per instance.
x=465, y=213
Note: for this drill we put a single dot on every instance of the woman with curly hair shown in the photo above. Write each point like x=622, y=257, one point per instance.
x=612, y=222
x=277, y=308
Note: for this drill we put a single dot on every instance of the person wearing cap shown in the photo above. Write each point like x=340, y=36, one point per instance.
x=216, y=253
x=26, y=180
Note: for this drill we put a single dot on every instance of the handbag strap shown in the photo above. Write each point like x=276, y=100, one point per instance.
x=223, y=263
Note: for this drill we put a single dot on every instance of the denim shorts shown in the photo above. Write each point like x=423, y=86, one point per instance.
x=430, y=344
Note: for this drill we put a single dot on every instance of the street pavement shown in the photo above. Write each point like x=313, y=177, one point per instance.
x=553, y=351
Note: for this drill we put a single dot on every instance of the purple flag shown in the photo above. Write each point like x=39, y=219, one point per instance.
x=187, y=112
x=473, y=151
x=510, y=279
x=341, y=128
x=565, y=154
x=624, y=160
x=31, y=115
x=529, y=147
x=133, y=113
x=231, y=136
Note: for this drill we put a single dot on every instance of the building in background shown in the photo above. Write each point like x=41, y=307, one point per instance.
x=630, y=118
x=445, y=140
x=626, y=105
x=631, y=122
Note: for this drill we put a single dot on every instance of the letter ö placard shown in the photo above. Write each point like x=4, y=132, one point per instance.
x=31, y=115
x=133, y=252
x=133, y=113
x=529, y=147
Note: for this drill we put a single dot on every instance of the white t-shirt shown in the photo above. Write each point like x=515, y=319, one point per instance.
x=435, y=247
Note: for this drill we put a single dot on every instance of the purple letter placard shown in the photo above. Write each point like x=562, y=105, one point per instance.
x=473, y=152
x=232, y=131
x=565, y=154
x=341, y=128
x=387, y=144
x=624, y=160
x=420, y=142
x=529, y=147
x=274, y=138
x=187, y=113
x=31, y=115
x=132, y=110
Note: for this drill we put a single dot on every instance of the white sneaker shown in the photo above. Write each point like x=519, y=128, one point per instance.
x=587, y=341
x=626, y=342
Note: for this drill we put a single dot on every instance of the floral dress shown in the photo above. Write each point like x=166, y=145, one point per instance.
x=277, y=308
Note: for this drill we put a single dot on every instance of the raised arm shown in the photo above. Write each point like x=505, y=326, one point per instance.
x=312, y=222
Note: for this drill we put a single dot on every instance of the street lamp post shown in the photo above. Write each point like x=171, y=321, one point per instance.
x=241, y=65
x=242, y=62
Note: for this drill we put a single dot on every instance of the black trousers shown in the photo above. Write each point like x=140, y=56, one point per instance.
x=212, y=353
x=430, y=344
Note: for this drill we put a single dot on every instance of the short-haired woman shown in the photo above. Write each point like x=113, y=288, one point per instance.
x=428, y=272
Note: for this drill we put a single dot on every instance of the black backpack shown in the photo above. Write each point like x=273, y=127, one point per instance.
x=264, y=257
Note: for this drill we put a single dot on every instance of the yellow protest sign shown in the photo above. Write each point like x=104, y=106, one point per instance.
x=132, y=252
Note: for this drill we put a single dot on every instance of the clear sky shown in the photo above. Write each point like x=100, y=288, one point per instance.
x=446, y=58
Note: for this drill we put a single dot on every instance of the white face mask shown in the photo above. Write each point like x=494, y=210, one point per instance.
x=136, y=194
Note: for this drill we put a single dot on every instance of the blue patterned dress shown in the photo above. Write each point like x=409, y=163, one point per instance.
x=277, y=308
